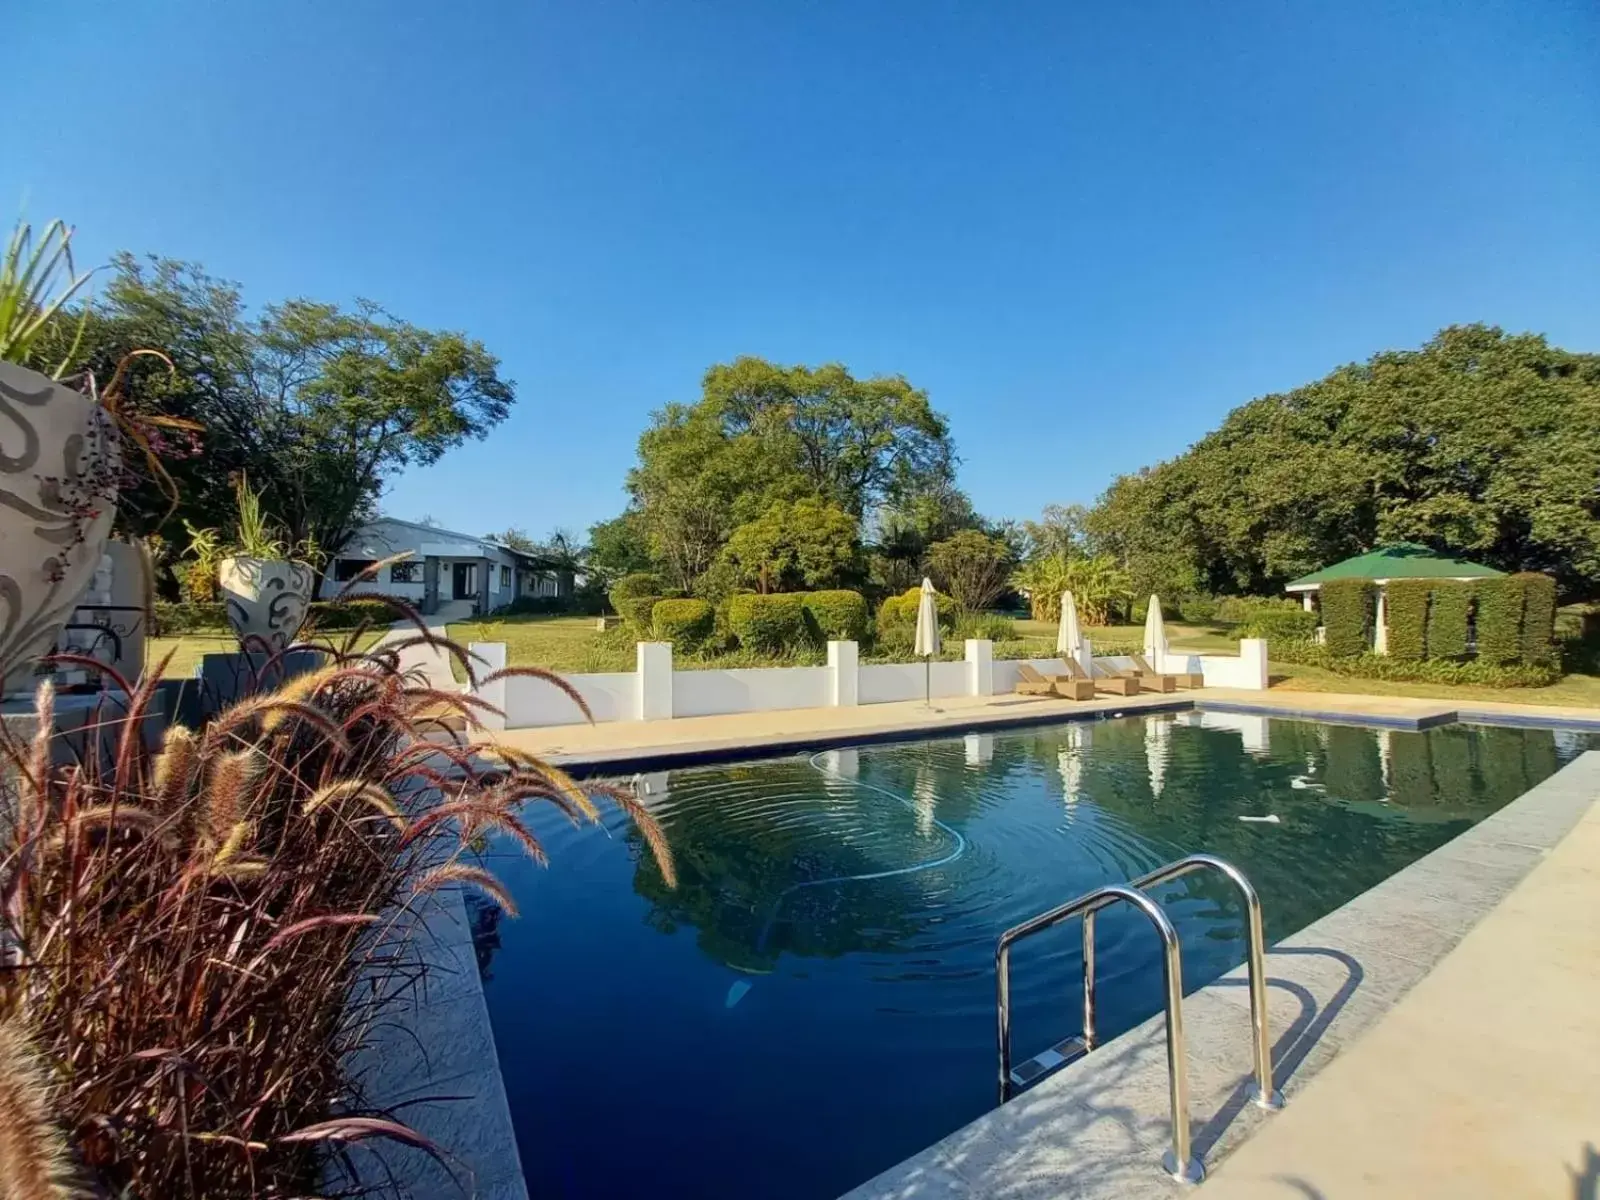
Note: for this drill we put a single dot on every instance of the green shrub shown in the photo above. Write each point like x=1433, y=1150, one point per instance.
x=897, y=616
x=1197, y=610
x=1292, y=624
x=1432, y=670
x=687, y=624
x=1450, y=603
x=1538, y=618
x=1406, y=612
x=175, y=620
x=1500, y=620
x=638, y=612
x=771, y=624
x=351, y=613
x=1347, y=608
x=836, y=615
x=987, y=626
x=635, y=585
x=1235, y=610
x=536, y=606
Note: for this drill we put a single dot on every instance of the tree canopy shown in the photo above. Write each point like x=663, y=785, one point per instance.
x=1480, y=444
x=763, y=436
x=320, y=405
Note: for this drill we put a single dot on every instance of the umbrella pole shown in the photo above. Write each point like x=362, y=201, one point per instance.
x=927, y=681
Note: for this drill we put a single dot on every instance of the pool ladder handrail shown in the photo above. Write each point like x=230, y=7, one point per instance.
x=1179, y=1161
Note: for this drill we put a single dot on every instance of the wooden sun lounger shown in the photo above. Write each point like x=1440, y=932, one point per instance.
x=1114, y=685
x=1032, y=683
x=1147, y=683
x=1184, y=679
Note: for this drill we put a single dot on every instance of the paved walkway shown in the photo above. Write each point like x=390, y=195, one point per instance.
x=620, y=740
x=431, y=661
x=1484, y=1081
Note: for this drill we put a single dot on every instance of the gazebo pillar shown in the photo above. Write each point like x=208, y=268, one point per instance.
x=1380, y=626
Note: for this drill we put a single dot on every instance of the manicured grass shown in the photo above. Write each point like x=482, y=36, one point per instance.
x=188, y=649
x=1576, y=690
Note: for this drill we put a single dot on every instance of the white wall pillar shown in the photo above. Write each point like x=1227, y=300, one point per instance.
x=844, y=683
x=1380, y=628
x=655, y=680
x=1086, y=656
x=493, y=656
x=1253, y=664
x=980, y=667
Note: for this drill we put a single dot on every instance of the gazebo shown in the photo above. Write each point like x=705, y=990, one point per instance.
x=1399, y=560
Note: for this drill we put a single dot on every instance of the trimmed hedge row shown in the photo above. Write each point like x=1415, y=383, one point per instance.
x=836, y=615
x=1347, y=611
x=1382, y=666
x=772, y=623
x=897, y=616
x=1406, y=614
x=1499, y=620
x=176, y=620
x=1538, y=618
x=1450, y=606
x=1292, y=624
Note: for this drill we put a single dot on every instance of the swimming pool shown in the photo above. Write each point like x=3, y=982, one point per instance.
x=815, y=1001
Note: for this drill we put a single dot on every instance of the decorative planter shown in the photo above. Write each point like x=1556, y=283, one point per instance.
x=59, y=468
x=266, y=598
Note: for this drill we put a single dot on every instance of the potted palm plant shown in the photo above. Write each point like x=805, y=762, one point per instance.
x=265, y=581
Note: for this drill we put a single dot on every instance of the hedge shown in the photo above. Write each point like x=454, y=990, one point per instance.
x=897, y=616
x=772, y=624
x=1500, y=620
x=174, y=620
x=1450, y=603
x=1278, y=625
x=634, y=597
x=1381, y=666
x=1197, y=610
x=1235, y=610
x=1347, y=606
x=836, y=615
x=1538, y=618
x=635, y=586
x=687, y=624
x=1406, y=613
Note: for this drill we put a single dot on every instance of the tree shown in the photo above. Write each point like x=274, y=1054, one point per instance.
x=971, y=568
x=1059, y=530
x=857, y=442
x=618, y=547
x=319, y=405
x=1098, y=586
x=514, y=538
x=1480, y=444
x=804, y=544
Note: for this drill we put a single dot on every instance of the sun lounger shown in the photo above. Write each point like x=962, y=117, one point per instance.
x=1147, y=683
x=1184, y=679
x=1116, y=685
x=1032, y=683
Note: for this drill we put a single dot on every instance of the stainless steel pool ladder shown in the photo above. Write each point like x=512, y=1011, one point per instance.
x=1179, y=1161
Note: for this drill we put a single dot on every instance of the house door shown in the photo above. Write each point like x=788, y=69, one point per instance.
x=461, y=581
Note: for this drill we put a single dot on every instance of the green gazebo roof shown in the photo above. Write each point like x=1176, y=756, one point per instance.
x=1402, y=560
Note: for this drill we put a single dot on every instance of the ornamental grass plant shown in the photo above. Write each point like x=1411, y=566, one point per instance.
x=183, y=929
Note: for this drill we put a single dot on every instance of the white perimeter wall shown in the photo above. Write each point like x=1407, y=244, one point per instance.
x=620, y=695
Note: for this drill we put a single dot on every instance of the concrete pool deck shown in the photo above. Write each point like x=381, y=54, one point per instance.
x=623, y=743
x=1481, y=1083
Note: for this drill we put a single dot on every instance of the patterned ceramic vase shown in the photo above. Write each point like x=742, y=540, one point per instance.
x=59, y=469
x=265, y=598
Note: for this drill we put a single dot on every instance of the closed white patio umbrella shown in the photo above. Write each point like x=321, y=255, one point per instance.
x=927, y=641
x=1069, y=638
x=1155, y=636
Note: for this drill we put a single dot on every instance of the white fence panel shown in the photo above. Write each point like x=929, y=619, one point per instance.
x=749, y=689
x=612, y=696
x=886, y=683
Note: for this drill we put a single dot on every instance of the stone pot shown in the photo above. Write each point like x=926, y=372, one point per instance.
x=59, y=469
x=265, y=598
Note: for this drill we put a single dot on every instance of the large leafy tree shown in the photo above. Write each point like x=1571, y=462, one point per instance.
x=1480, y=444
x=320, y=405
x=763, y=434
x=971, y=568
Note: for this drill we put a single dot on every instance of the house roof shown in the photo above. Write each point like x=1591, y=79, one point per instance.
x=1401, y=560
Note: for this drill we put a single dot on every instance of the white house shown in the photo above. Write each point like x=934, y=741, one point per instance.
x=441, y=566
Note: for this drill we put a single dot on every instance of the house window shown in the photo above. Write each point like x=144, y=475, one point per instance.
x=505, y=577
x=346, y=569
x=405, y=572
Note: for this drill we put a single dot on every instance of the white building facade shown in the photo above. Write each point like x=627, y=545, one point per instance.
x=440, y=567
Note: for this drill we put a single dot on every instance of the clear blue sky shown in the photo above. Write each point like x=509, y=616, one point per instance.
x=1088, y=229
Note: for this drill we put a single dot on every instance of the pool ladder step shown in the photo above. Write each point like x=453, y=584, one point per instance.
x=1179, y=1161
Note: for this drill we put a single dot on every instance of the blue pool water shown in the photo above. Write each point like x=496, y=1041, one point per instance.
x=815, y=1001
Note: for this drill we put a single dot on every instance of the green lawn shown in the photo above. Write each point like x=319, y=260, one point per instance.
x=1578, y=690
x=188, y=649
